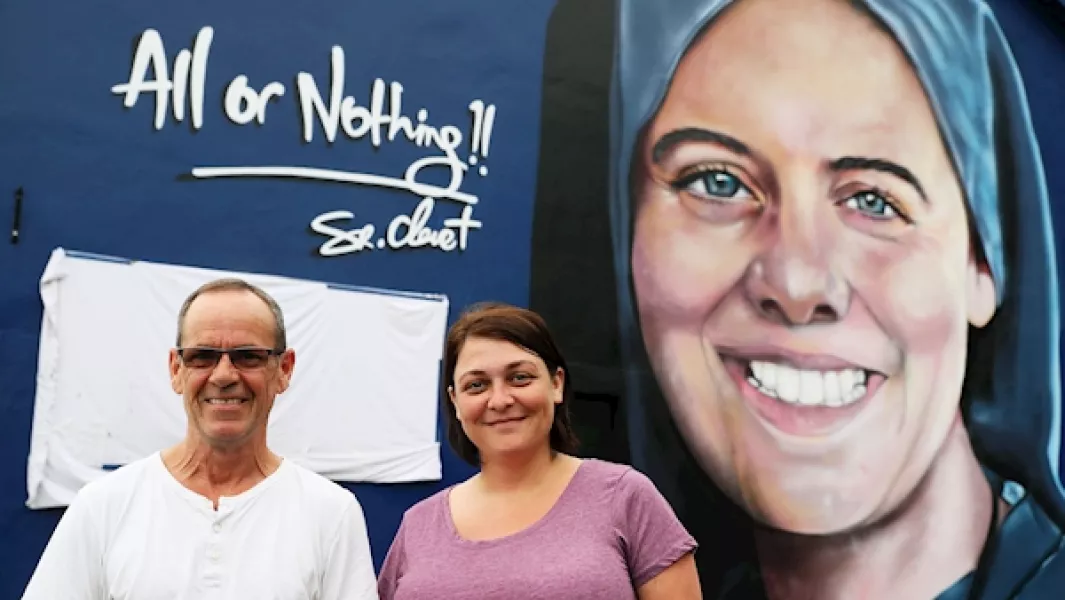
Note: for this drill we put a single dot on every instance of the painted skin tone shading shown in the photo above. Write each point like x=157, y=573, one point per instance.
x=805, y=284
x=505, y=399
x=224, y=452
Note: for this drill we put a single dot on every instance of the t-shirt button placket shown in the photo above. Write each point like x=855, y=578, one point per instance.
x=212, y=575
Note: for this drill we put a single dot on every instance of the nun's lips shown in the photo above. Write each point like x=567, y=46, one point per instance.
x=803, y=402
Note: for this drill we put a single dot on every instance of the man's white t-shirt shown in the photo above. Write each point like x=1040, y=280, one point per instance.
x=138, y=534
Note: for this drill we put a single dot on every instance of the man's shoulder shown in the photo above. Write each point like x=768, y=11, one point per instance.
x=120, y=483
x=319, y=490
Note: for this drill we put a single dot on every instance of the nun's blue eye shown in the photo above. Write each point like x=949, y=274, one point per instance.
x=873, y=204
x=714, y=184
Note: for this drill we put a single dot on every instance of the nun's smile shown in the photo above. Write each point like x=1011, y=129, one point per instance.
x=801, y=395
x=802, y=264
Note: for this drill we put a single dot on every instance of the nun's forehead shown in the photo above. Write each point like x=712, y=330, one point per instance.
x=935, y=35
x=808, y=89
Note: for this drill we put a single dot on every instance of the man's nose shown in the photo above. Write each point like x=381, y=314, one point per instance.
x=224, y=373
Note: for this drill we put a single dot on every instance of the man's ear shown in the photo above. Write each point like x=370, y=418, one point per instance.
x=980, y=292
x=286, y=364
x=176, y=383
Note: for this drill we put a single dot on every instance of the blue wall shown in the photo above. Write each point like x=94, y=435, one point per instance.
x=97, y=177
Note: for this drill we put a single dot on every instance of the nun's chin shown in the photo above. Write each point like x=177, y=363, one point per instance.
x=801, y=501
x=818, y=513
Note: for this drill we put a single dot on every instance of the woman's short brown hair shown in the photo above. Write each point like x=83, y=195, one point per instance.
x=523, y=328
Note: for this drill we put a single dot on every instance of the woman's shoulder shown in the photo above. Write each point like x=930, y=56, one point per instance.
x=617, y=477
x=609, y=471
x=427, y=510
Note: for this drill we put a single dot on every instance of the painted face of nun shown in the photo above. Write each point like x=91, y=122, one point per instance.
x=802, y=264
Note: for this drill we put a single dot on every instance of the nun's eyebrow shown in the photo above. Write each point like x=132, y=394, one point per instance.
x=848, y=163
x=694, y=134
x=858, y=163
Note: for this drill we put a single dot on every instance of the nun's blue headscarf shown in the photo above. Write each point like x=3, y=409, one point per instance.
x=1012, y=401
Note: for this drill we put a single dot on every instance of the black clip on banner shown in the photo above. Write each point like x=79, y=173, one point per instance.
x=18, y=216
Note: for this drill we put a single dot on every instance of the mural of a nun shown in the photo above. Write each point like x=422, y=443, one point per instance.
x=837, y=296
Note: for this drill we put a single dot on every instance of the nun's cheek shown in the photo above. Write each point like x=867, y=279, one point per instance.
x=922, y=307
x=680, y=275
x=914, y=286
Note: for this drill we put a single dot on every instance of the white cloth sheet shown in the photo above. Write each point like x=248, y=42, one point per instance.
x=362, y=406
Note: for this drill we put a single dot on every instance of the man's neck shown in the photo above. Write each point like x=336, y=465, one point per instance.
x=214, y=472
x=933, y=541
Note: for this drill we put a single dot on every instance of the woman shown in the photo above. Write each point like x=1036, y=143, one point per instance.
x=838, y=296
x=536, y=522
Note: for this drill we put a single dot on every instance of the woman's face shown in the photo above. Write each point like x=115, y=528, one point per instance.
x=802, y=264
x=504, y=397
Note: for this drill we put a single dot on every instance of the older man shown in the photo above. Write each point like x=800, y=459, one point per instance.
x=219, y=515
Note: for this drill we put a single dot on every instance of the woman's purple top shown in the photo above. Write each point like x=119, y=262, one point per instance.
x=609, y=533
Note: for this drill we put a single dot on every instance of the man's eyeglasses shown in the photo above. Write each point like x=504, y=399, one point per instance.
x=242, y=358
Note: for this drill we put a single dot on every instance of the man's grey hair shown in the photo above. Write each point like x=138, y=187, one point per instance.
x=233, y=284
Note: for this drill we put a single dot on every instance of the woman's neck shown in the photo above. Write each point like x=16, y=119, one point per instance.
x=514, y=471
x=935, y=539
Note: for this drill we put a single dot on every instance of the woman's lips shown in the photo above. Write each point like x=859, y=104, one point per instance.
x=505, y=421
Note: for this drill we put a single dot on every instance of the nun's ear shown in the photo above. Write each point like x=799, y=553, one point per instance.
x=980, y=290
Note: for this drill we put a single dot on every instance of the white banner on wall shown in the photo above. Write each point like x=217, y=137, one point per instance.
x=362, y=405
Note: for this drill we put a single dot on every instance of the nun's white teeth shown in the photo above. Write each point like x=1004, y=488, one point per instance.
x=807, y=387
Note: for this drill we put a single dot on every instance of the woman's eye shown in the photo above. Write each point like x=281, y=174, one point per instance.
x=873, y=204
x=714, y=184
